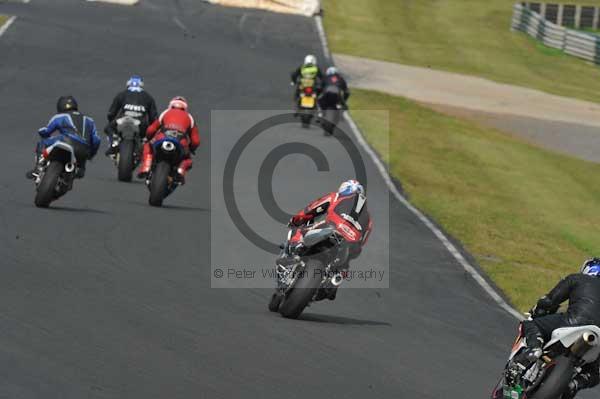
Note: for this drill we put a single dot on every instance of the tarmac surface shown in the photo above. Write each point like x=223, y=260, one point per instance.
x=102, y=296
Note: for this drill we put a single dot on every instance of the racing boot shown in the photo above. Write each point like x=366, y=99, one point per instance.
x=183, y=168
x=113, y=149
x=530, y=354
x=37, y=169
x=146, y=162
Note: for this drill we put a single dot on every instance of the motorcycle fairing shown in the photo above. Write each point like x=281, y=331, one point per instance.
x=569, y=335
x=63, y=146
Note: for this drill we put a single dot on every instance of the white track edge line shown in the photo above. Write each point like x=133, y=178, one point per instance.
x=7, y=25
x=424, y=219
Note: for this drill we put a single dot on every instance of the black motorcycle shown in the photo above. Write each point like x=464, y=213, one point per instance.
x=129, y=142
x=332, y=107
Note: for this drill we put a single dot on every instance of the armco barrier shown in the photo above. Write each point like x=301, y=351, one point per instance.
x=578, y=44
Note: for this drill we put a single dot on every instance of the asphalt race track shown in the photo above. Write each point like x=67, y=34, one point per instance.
x=102, y=296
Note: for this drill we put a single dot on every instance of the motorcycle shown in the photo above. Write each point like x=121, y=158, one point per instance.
x=168, y=154
x=130, y=147
x=56, y=172
x=568, y=350
x=308, y=266
x=307, y=101
x=332, y=107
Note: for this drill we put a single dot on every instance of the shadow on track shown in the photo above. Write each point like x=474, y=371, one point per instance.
x=185, y=208
x=317, y=318
x=77, y=210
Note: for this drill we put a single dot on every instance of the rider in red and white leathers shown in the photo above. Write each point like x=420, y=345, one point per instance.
x=175, y=118
x=347, y=210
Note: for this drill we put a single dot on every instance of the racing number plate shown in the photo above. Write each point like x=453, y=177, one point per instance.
x=307, y=102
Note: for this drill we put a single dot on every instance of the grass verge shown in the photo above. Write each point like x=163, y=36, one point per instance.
x=464, y=36
x=528, y=216
x=3, y=19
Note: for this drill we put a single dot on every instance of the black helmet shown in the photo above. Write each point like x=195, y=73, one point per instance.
x=66, y=104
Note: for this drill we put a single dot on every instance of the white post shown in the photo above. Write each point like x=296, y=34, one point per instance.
x=559, y=17
x=577, y=16
x=543, y=10
x=595, y=22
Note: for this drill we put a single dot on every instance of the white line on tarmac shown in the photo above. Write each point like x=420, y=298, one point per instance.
x=392, y=187
x=7, y=25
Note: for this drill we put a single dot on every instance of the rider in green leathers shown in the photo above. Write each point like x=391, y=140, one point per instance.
x=307, y=75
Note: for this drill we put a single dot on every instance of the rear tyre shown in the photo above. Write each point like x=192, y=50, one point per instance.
x=305, y=119
x=47, y=187
x=159, y=183
x=303, y=291
x=125, y=166
x=557, y=382
x=275, y=301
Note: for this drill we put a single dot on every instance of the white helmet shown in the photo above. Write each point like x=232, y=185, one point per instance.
x=310, y=60
x=332, y=71
x=350, y=187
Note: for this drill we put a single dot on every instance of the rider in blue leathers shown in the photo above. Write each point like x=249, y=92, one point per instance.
x=71, y=125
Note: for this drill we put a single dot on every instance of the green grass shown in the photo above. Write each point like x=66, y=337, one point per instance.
x=528, y=216
x=3, y=19
x=464, y=36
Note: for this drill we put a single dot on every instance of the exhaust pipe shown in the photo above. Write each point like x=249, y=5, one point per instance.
x=337, y=279
x=70, y=167
x=168, y=146
x=590, y=338
x=587, y=341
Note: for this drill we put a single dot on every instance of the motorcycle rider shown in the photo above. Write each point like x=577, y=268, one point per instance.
x=134, y=101
x=175, y=119
x=334, y=79
x=582, y=290
x=307, y=74
x=71, y=124
x=350, y=203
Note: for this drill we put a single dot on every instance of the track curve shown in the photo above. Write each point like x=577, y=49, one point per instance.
x=105, y=297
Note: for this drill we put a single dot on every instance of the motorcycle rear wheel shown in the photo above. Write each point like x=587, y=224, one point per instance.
x=159, y=183
x=304, y=289
x=47, y=187
x=125, y=167
x=275, y=301
x=557, y=382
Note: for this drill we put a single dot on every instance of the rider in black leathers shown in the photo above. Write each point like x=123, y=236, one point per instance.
x=333, y=78
x=135, y=102
x=583, y=293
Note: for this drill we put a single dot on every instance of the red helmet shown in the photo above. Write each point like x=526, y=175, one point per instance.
x=179, y=103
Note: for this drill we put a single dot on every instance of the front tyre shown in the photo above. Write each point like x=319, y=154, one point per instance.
x=46, y=190
x=159, y=183
x=126, y=162
x=557, y=382
x=303, y=290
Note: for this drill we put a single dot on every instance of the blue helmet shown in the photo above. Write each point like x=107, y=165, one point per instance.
x=591, y=267
x=350, y=187
x=135, y=83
